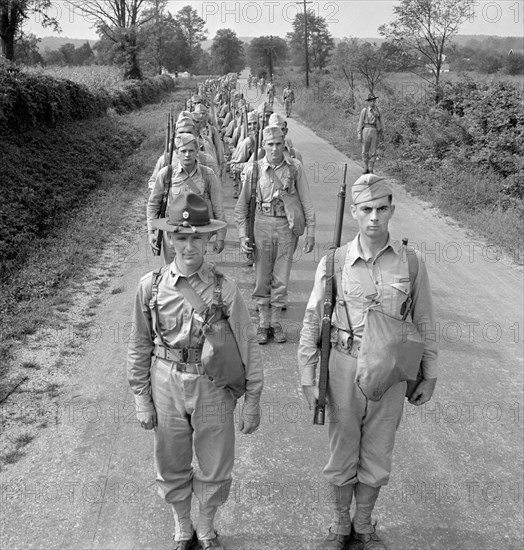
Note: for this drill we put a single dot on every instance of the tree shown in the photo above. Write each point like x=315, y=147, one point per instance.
x=193, y=29
x=265, y=53
x=13, y=13
x=120, y=21
x=320, y=41
x=26, y=50
x=227, y=52
x=424, y=27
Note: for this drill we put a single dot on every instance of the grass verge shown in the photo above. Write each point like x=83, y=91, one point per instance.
x=70, y=268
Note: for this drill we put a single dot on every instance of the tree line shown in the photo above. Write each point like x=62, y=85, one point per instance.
x=146, y=38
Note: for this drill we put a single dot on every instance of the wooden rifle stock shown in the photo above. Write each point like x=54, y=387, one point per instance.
x=325, y=334
x=165, y=197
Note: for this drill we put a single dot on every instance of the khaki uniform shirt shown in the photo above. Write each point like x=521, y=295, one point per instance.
x=180, y=327
x=391, y=277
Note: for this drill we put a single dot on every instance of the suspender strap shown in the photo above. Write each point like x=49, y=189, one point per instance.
x=153, y=304
x=191, y=296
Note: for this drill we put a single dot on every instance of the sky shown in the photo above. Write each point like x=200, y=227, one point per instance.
x=359, y=18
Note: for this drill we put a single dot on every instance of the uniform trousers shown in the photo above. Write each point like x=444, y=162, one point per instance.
x=369, y=144
x=275, y=248
x=361, y=432
x=192, y=412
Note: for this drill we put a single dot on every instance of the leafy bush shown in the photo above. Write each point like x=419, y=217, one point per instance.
x=30, y=100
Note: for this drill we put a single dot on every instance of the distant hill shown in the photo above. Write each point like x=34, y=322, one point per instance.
x=502, y=42
x=55, y=42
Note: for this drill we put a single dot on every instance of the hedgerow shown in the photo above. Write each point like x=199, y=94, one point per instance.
x=28, y=101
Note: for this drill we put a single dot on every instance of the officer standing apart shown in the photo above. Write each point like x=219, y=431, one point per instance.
x=362, y=431
x=369, y=132
x=173, y=393
x=288, y=97
x=275, y=242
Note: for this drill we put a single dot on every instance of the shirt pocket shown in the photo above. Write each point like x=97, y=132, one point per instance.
x=397, y=294
x=353, y=299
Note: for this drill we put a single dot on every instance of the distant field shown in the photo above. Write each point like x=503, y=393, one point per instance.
x=93, y=76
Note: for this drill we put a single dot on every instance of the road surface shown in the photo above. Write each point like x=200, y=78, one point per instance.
x=88, y=481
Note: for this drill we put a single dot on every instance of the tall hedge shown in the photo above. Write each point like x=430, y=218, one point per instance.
x=29, y=101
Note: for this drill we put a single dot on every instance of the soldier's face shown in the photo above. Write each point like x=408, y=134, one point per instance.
x=187, y=154
x=373, y=217
x=189, y=250
x=274, y=148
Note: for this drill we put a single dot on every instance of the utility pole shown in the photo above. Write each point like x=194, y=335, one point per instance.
x=305, y=39
x=271, y=58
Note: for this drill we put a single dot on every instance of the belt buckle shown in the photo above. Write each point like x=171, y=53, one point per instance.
x=185, y=355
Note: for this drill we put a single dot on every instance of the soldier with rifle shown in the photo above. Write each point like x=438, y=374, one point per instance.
x=187, y=175
x=381, y=297
x=275, y=236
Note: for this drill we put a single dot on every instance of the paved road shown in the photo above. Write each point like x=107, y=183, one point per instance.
x=88, y=482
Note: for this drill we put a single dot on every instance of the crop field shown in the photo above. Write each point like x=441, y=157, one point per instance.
x=92, y=76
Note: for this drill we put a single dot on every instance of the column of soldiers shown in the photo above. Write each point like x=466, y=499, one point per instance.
x=218, y=133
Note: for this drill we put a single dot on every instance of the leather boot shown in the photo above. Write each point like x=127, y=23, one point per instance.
x=263, y=323
x=365, y=499
x=276, y=327
x=340, y=529
x=366, y=167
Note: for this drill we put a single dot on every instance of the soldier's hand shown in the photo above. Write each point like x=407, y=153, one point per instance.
x=249, y=418
x=147, y=419
x=311, y=395
x=152, y=241
x=359, y=138
x=244, y=245
x=423, y=392
x=309, y=245
x=218, y=246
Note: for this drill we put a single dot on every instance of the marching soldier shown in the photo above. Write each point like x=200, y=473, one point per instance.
x=188, y=175
x=274, y=239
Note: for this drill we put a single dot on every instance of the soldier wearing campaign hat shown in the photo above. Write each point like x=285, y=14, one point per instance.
x=188, y=175
x=369, y=132
x=190, y=411
x=275, y=240
x=362, y=428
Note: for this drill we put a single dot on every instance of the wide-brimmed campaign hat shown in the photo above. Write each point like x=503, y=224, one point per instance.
x=371, y=97
x=187, y=214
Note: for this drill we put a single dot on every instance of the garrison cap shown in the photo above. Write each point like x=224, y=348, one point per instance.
x=184, y=139
x=369, y=187
x=252, y=116
x=277, y=120
x=271, y=132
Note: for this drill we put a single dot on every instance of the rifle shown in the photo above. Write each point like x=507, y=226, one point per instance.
x=167, y=187
x=253, y=201
x=325, y=334
x=244, y=121
x=168, y=136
